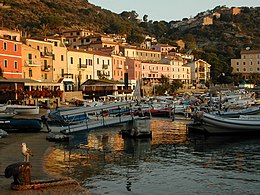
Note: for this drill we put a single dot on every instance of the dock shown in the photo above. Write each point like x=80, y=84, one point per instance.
x=96, y=117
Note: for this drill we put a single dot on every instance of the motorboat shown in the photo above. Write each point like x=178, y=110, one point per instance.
x=236, y=113
x=2, y=107
x=23, y=109
x=214, y=124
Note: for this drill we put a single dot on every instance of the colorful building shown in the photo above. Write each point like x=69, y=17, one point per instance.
x=11, y=58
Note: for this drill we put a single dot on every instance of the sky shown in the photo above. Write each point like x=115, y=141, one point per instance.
x=169, y=10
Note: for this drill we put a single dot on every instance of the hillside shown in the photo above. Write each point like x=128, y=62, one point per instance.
x=48, y=16
x=216, y=43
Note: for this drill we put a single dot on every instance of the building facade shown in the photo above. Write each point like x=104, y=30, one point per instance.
x=11, y=58
x=248, y=63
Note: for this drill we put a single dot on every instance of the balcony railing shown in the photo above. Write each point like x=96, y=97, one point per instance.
x=46, y=53
x=119, y=66
x=82, y=66
x=46, y=68
x=105, y=66
x=32, y=63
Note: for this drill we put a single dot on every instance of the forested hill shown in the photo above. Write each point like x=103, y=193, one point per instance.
x=216, y=43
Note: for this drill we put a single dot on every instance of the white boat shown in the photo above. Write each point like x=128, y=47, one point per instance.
x=2, y=107
x=3, y=133
x=23, y=109
x=236, y=113
x=214, y=124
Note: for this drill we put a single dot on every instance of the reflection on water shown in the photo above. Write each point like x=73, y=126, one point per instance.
x=169, y=163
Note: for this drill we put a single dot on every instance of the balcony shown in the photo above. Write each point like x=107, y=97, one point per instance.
x=32, y=63
x=105, y=66
x=46, y=54
x=82, y=66
x=46, y=68
x=119, y=66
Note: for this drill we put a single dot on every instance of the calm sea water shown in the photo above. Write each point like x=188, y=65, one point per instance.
x=169, y=163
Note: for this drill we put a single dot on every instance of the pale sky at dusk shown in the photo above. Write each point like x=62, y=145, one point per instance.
x=169, y=9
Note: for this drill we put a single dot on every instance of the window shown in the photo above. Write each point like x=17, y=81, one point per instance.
x=244, y=69
x=53, y=56
x=5, y=63
x=62, y=72
x=97, y=60
x=45, y=64
x=74, y=40
x=251, y=69
x=15, y=65
x=15, y=47
x=237, y=63
x=62, y=57
x=80, y=61
x=55, y=44
x=244, y=63
x=45, y=76
x=5, y=46
x=30, y=72
x=71, y=60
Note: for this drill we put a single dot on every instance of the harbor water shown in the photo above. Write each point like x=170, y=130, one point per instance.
x=171, y=162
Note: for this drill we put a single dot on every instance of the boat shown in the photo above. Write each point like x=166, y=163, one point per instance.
x=2, y=107
x=237, y=113
x=214, y=124
x=23, y=109
x=21, y=125
x=55, y=115
x=3, y=133
x=7, y=114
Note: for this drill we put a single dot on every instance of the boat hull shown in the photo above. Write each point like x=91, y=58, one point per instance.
x=215, y=124
x=21, y=109
x=23, y=125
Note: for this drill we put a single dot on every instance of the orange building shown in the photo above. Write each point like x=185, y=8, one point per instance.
x=11, y=58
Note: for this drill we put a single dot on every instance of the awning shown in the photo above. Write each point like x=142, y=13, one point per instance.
x=68, y=83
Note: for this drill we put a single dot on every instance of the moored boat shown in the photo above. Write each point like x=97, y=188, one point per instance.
x=214, y=124
x=23, y=109
x=21, y=124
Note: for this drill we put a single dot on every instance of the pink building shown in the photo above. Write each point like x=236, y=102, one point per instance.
x=11, y=58
x=152, y=72
x=118, y=67
x=134, y=69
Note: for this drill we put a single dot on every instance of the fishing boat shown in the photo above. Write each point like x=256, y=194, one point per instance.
x=214, y=124
x=237, y=113
x=23, y=109
x=2, y=107
x=21, y=125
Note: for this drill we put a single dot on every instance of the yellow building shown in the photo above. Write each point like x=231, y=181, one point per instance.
x=80, y=66
x=60, y=65
x=46, y=53
x=142, y=54
x=31, y=63
x=248, y=63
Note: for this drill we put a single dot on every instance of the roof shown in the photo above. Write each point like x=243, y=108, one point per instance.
x=250, y=52
x=95, y=82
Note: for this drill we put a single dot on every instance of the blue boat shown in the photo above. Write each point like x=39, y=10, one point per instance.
x=21, y=125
